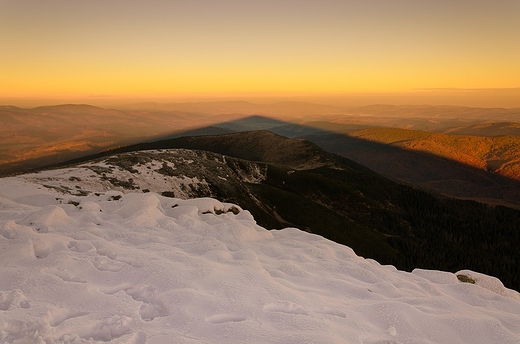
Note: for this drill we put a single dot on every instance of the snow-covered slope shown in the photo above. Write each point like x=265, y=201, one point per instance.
x=181, y=172
x=142, y=268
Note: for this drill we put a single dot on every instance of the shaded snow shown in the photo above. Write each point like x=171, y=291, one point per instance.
x=168, y=170
x=142, y=268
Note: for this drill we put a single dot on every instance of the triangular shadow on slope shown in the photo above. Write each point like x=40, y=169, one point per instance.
x=352, y=205
x=421, y=169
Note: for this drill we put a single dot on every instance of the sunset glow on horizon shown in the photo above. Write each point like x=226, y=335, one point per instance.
x=159, y=49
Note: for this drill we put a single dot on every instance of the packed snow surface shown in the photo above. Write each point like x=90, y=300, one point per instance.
x=139, y=268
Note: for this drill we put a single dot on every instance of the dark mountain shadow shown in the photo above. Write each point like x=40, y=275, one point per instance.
x=419, y=169
x=249, y=123
x=308, y=188
x=425, y=170
x=204, y=131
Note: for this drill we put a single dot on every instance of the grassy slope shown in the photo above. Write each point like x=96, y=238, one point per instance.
x=500, y=154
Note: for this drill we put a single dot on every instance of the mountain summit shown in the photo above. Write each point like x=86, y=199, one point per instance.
x=84, y=265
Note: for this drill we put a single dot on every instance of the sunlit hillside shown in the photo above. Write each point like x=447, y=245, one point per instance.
x=500, y=154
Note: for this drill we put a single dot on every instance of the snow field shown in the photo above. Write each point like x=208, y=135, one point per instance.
x=144, y=268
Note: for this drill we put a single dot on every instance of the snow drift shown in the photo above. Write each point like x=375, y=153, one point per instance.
x=142, y=268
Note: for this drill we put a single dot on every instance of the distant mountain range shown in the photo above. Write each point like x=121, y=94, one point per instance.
x=488, y=129
x=32, y=138
x=292, y=182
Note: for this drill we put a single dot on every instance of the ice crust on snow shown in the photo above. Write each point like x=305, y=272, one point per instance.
x=143, y=268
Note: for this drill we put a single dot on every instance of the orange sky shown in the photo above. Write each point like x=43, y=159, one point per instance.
x=73, y=49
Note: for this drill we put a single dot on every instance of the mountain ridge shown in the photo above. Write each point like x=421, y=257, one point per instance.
x=392, y=223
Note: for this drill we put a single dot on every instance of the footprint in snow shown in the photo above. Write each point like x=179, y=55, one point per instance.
x=13, y=299
x=285, y=307
x=80, y=246
x=151, y=307
x=224, y=318
x=103, y=263
x=58, y=316
x=64, y=275
x=40, y=248
x=331, y=311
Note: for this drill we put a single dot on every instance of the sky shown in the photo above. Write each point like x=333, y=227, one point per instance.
x=290, y=48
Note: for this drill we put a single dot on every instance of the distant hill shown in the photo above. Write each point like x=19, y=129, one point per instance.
x=32, y=138
x=286, y=109
x=292, y=182
x=481, y=168
x=499, y=154
x=488, y=129
x=438, y=112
